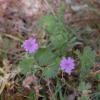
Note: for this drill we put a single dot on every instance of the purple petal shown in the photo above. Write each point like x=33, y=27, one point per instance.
x=67, y=64
x=30, y=45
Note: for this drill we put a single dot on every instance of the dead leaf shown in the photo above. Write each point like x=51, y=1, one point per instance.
x=28, y=81
x=6, y=65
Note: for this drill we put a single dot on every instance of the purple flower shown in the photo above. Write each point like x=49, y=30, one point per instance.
x=67, y=64
x=30, y=45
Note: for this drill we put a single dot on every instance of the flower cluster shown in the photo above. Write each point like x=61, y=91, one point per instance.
x=66, y=64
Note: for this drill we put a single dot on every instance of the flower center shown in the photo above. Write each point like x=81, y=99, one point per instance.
x=67, y=64
x=30, y=45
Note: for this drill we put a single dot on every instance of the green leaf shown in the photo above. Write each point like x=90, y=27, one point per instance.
x=52, y=25
x=48, y=23
x=26, y=65
x=35, y=68
x=44, y=57
x=88, y=57
x=60, y=34
x=51, y=70
x=87, y=60
x=97, y=76
x=57, y=40
x=84, y=98
x=95, y=96
x=31, y=96
x=83, y=86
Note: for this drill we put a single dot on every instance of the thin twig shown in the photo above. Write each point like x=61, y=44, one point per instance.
x=86, y=20
x=12, y=37
x=52, y=11
x=48, y=83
